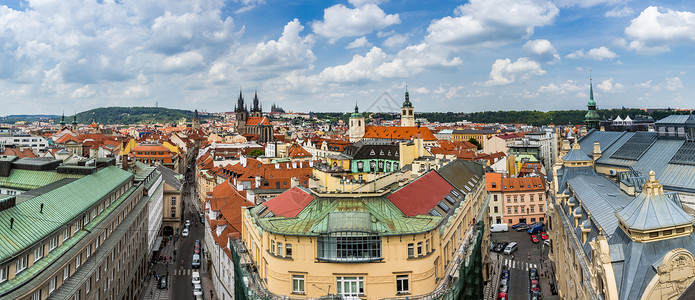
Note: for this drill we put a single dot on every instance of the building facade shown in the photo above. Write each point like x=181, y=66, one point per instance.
x=82, y=239
x=390, y=243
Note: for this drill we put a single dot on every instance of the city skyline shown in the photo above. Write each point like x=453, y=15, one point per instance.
x=317, y=56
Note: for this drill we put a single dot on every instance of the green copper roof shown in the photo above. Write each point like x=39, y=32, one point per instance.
x=29, y=180
x=375, y=214
x=407, y=99
x=591, y=94
x=357, y=113
x=60, y=206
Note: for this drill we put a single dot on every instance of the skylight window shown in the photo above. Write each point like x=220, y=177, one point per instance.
x=443, y=206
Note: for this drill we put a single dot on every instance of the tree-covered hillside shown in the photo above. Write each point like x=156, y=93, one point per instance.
x=132, y=115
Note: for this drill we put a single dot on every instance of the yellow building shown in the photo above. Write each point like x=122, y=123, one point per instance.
x=461, y=135
x=401, y=240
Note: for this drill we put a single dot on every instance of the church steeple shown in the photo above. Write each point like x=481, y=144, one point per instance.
x=591, y=119
x=240, y=102
x=255, y=102
x=407, y=111
x=62, y=120
x=407, y=103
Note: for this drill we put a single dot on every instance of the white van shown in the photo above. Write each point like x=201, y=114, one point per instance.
x=195, y=278
x=196, y=261
x=510, y=248
x=499, y=227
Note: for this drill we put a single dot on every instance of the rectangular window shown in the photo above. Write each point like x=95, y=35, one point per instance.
x=494, y=197
x=523, y=209
x=496, y=209
x=522, y=198
x=402, y=284
x=516, y=210
x=3, y=273
x=515, y=199
x=272, y=247
x=89, y=251
x=533, y=220
x=88, y=285
x=52, y=243
x=350, y=286
x=76, y=227
x=36, y=295
x=298, y=284
x=173, y=200
x=279, y=249
x=78, y=261
x=531, y=208
x=419, y=249
x=66, y=272
x=52, y=284
x=540, y=208
x=530, y=198
x=38, y=253
x=173, y=212
x=540, y=197
x=509, y=210
x=66, y=234
x=427, y=246
x=411, y=250
x=509, y=199
x=288, y=250
x=21, y=264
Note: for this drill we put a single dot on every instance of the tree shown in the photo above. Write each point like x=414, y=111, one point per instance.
x=256, y=153
x=476, y=143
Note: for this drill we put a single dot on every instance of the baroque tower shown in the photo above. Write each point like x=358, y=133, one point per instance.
x=407, y=113
x=357, y=126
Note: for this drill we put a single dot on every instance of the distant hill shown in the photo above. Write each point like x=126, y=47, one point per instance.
x=132, y=115
x=11, y=119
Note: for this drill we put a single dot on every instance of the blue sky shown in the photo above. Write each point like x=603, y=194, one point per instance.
x=326, y=55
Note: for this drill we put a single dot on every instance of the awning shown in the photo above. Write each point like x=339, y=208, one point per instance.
x=157, y=243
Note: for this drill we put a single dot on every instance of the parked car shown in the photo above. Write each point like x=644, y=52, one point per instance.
x=502, y=296
x=195, y=262
x=511, y=248
x=500, y=247
x=522, y=228
x=534, y=286
x=162, y=284
x=197, y=290
x=499, y=227
x=184, y=233
x=195, y=278
x=517, y=225
x=547, y=243
x=535, y=228
x=504, y=288
x=534, y=239
x=533, y=273
x=544, y=236
x=536, y=296
x=188, y=223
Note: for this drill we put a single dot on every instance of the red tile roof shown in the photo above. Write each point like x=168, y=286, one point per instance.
x=496, y=178
x=398, y=133
x=297, y=151
x=290, y=203
x=421, y=195
x=257, y=121
x=522, y=184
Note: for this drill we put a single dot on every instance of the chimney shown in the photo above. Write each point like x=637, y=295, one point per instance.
x=597, y=151
x=294, y=181
x=11, y=222
x=41, y=209
x=565, y=147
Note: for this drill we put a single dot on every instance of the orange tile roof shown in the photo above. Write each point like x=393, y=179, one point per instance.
x=522, y=184
x=398, y=133
x=257, y=121
x=496, y=178
x=297, y=151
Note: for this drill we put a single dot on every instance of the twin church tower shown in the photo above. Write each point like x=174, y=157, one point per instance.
x=358, y=127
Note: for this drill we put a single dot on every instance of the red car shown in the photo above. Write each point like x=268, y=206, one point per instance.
x=534, y=286
x=534, y=239
x=502, y=296
x=544, y=236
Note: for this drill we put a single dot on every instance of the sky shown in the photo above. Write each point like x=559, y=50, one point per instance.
x=461, y=56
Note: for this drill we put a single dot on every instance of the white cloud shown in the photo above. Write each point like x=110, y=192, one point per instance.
x=361, y=68
x=569, y=86
x=358, y=3
x=340, y=21
x=673, y=84
x=395, y=41
x=504, y=71
x=654, y=32
x=620, y=12
x=183, y=62
x=358, y=43
x=247, y=5
x=600, y=53
x=482, y=22
x=290, y=51
x=542, y=50
x=609, y=87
